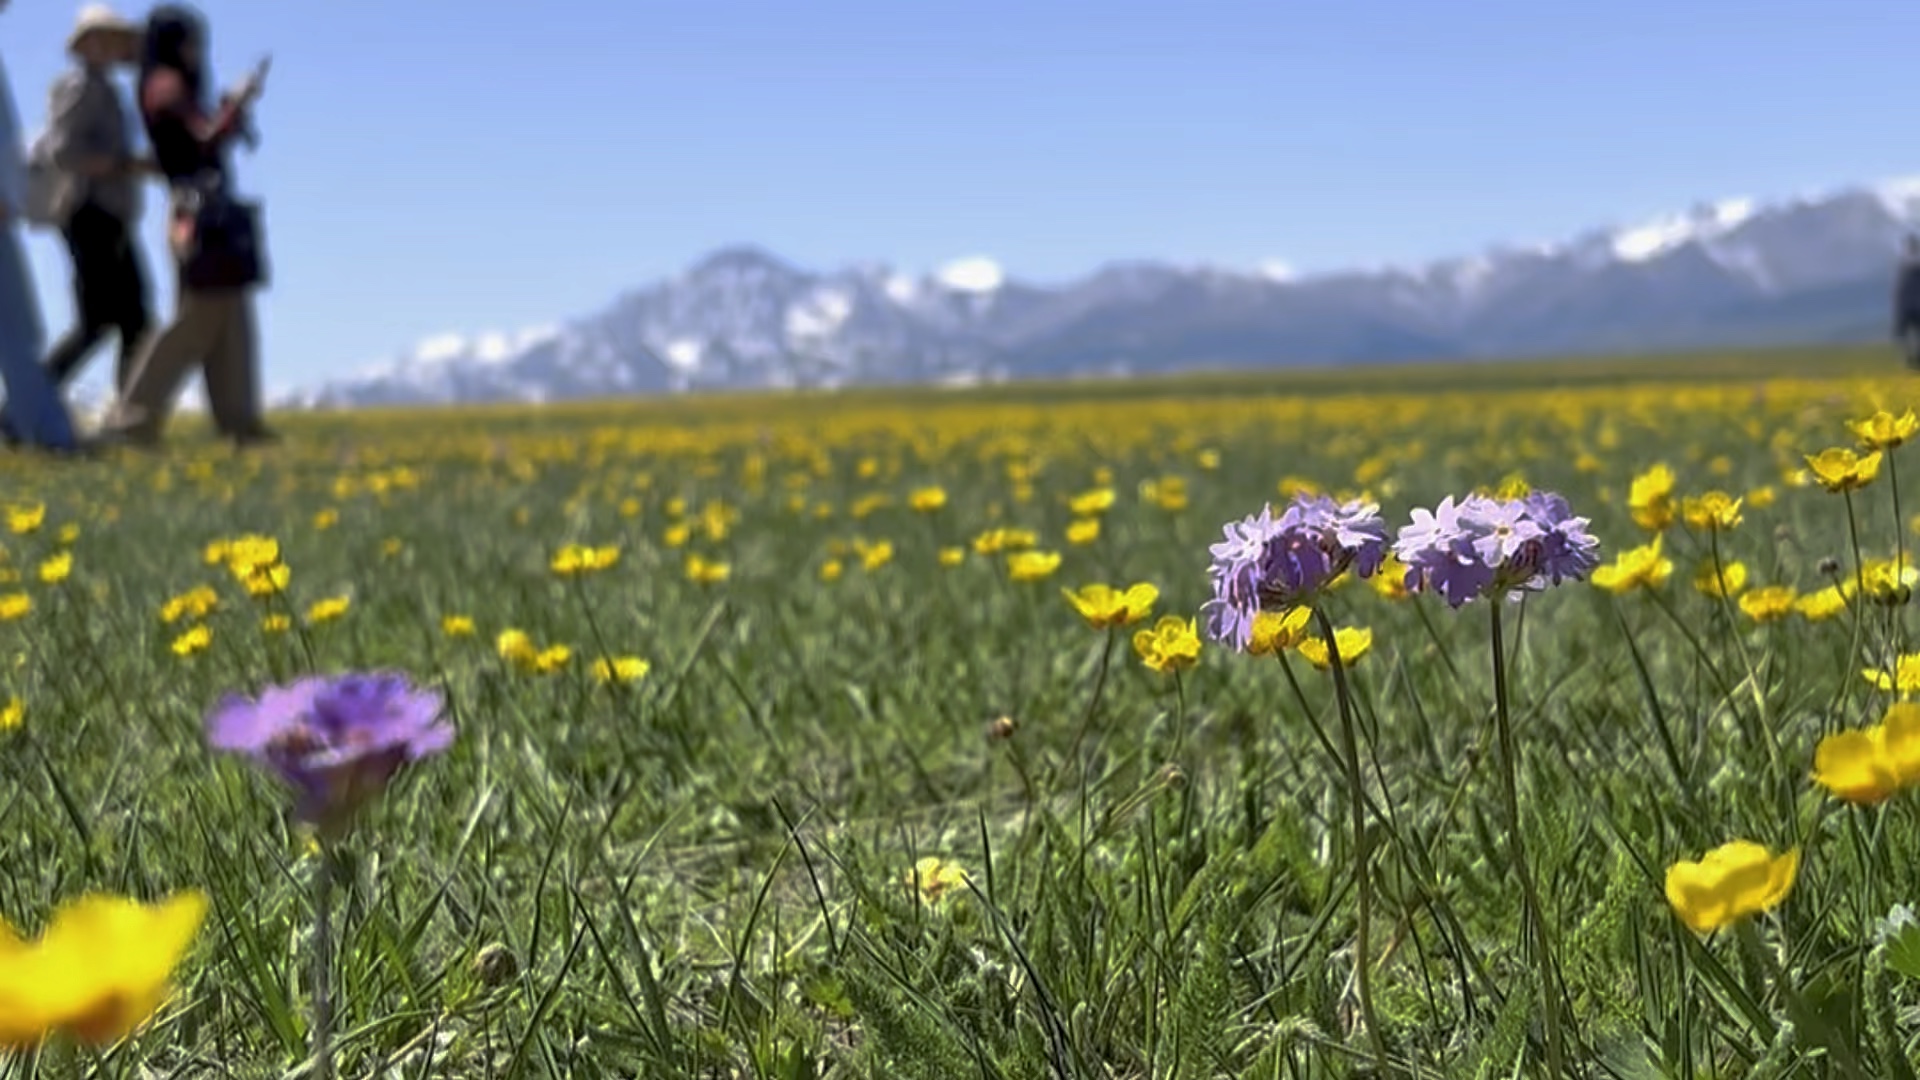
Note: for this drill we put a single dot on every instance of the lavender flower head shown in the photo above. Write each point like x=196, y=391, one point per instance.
x=1274, y=564
x=1482, y=547
x=337, y=741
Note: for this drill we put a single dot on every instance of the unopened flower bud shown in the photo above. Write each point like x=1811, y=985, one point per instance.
x=1001, y=728
x=495, y=966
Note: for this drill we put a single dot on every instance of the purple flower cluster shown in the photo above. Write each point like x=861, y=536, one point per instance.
x=1277, y=563
x=336, y=741
x=1482, y=546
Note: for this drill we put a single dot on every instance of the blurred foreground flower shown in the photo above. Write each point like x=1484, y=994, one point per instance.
x=101, y=969
x=337, y=741
x=1731, y=882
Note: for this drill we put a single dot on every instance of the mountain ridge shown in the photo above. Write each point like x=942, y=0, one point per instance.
x=1804, y=270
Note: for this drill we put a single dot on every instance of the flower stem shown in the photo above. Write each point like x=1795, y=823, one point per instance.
x=1859, y=602
x=1093, y=702
x=1362, y=868
x=1530, y=896
x=1899, y=552
x=323, y=963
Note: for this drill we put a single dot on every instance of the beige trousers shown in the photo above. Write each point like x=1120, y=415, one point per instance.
x=214, y=331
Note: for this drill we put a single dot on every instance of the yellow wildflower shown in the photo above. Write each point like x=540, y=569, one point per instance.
x=873, y=555
x=620, y=669
x=57, y=568
x=1883, y=430
x=193, y=641
x=329, y=609
x=575, y=560
x=102, y=968
x=1089, y=503
x=1871, y=765
x=1824, y=604
x=1905, y=676
x=1032, y=565
x=24, y=518
x=1733, y=881
x=1839, y=469
x=704, y=571
x=1767, y=603
x=1173, y=644
x=1650, y=498
x=1353, y=643
x=195, y=603
x=1725, y=579
x=1713, y=510
x=932, y=877
x=1635, y=568
x=1275, y=633
x=1105, y=607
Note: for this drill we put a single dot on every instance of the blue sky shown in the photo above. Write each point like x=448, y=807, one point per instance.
x=431, y=166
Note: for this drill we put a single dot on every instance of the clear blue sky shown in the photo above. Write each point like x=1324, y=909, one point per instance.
x=431, y=166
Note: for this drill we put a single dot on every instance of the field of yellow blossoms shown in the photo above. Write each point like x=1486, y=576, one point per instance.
x=908, y=735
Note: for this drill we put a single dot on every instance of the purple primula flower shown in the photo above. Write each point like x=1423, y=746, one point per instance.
x=1484, y=547
x=1501, y=528
x=337, y=741
x=1269, y=563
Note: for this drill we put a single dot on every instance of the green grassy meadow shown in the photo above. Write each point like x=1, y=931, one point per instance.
x=709, y=870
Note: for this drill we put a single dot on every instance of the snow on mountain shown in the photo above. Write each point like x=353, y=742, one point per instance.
x=1812, y=268
x=1278, y=271
x=976, y=274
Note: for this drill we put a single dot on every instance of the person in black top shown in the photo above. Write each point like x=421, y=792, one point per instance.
x=212, y=329
x=1906, y=303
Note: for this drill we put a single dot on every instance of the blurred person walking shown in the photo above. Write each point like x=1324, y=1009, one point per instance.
x=88, y=147
x=1906, y=303
x=33, y=413
x=213, y=237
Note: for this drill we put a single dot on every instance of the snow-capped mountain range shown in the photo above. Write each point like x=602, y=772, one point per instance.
x=1740, y=272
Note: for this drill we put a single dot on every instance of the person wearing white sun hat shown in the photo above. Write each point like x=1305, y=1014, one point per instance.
x=33, y=412
x=95, y=202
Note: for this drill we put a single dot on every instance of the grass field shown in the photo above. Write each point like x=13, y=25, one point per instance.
x=708, y=867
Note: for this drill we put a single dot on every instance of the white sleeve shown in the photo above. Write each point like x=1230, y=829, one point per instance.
x=13, y=161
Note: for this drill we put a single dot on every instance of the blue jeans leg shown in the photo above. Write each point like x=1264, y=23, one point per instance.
x=34, y=410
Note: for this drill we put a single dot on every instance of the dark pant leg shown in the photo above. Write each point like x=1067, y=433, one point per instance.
x=109, y=293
